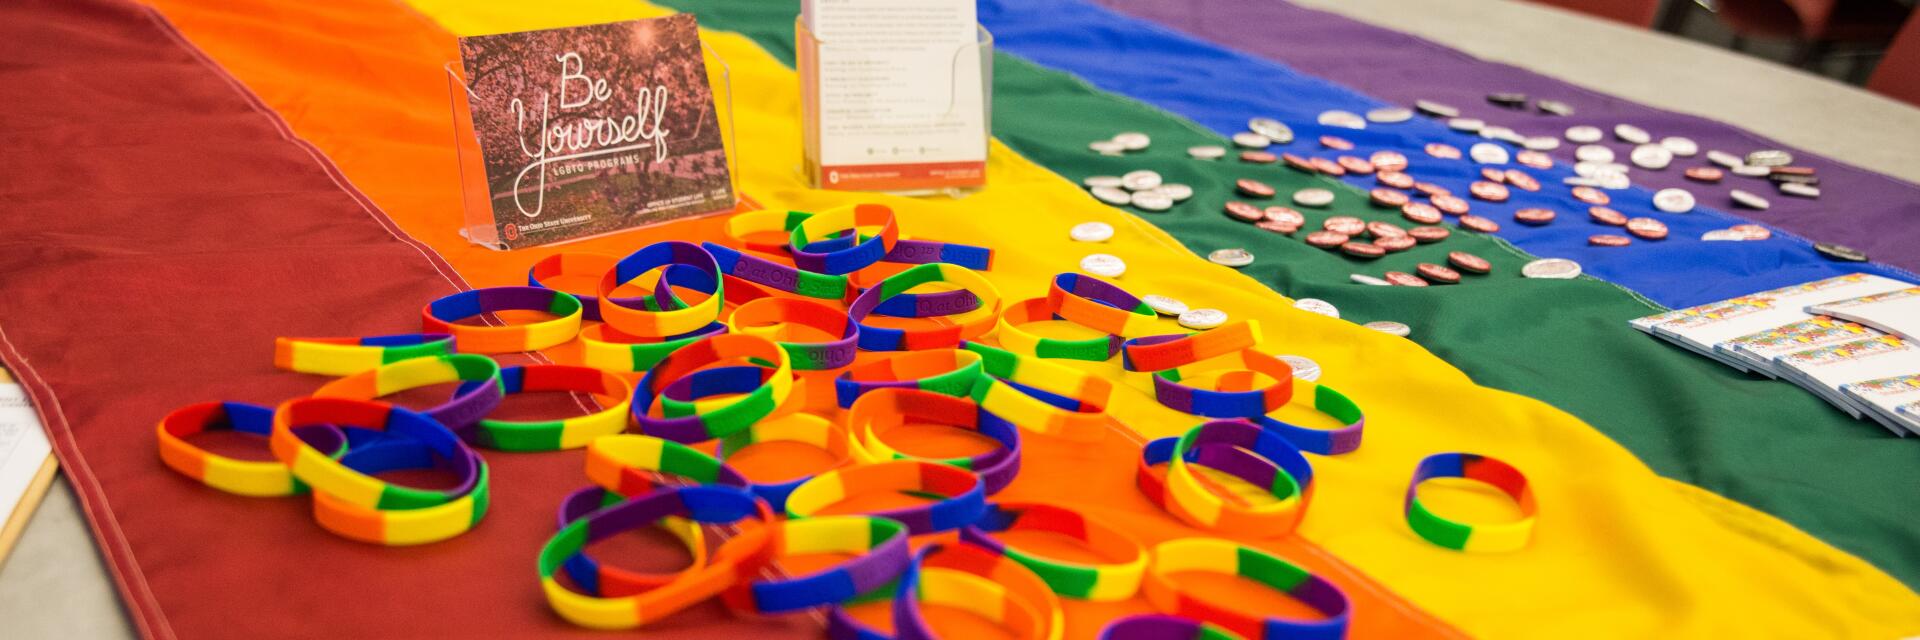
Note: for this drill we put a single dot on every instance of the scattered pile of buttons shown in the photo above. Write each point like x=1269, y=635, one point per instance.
x=708, y=364
x=1142, y=189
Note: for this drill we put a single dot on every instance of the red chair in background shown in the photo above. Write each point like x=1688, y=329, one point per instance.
x=1815, y=26
x=1639, y=13
x=1898, y=75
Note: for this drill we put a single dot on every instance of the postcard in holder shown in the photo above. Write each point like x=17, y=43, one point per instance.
x=577, y=132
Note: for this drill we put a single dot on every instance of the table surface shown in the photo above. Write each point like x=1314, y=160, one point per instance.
x=57, y=556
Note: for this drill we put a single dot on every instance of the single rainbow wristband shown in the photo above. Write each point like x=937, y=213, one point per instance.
x=348, y=356
x=1326, y=442
x=604, y=347
x=768, y=317
x=595, y=264
x=624, y=464
x=655, y=323
x=326, y=474
x=598, y=579
x=260, y=478
x=735, y=414
x=401, y=527
x=554, y=435
x=879, y=547
x=738, y=558
x=1219, y=556
x=961, y=497
x=442, y=316
x=951, y=372
x=969, y=323
x=1237, y=392
x=776, y=276
x=468, y=405
x=882, y=411
x=1042, y=397
x=1104, y=582
x=1012, y=337
x=1452, y=534
x=801, y=428
x=980, y=582
x=1159, y=353
x=1100, y=305
x=1239, y=450
x=860, y=255
x=1153, y=626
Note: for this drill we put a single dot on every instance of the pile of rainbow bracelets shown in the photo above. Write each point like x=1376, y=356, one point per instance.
x=710, y=362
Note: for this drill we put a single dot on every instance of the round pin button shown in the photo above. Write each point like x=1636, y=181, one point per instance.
x=1356, y=165
x=1443, y=151
x=1584, y=134
x=1396, y=244
x=1207, y=152
x=1316, y=305
x=1336, y=143
x=1673, y=200
x=1091, y=232
x=1534, y=159
x=1489, y=191
x=1274, y=130
x=1683, y=147
x=1608, y=240
x=1705, y=174
x=1593, y=153
x=1450, y=205
x=1276, y=227
x=1368, y=280
x=1328, y=167
x=1466, y=125
x=1651, y=156
x=1203, y=319
x=1303, y=368
x=1103, y=181
x=1552, y=268
x=1366, y=250
x=1535, y=216
x=1591, y=195
x=1243, y=212
x=1404, y=279
x=1389, y=327
x=1438, y=274
x=1253, y=188
x=1284, y=215
x=1164, y=305
x=1420, y=212
x=1647, y=228
x=1837, y=252
x=1151, y=200
x=1387, y=197
x=1607, y=216
x=1133, y=140
x=1388, y=160
x=1258, y=157
x=1469, y=262
x=1725, y=159
x=1489, y=153
x=1104, y=265
x=1235, y=258
x=1342, y=119
x=1477, y=223
x=1520, y=180
x=1115, y=196
x=1749, y=200
x=1429, y=235
x=1327, y=239
x=1140, y=180
x=1348, y=225
x=1393, y=179
x=1176, y=191
x=1631, y=134
x=1313, y=197
x=1251, y=140
x=1436, y=109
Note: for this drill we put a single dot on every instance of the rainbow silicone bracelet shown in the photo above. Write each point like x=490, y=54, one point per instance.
x=401, y=527
x=978, y=581
x=604, y=347
x=1042, y=397
x=905, y=251
x=1013, y=338
x=441, y=316
x=1234, y=395
x=1152, y=626
x=962, y=497
x=802, y=428
x=1158, y=353
x=779, y=223
x=554, y=435
x=876, y=413
x=260, y=478
x=655, y=323
x=741, y=556
x=1326, y=442
x=622, y=464
x=1219, y=556
x=348, y=356
x=1105, y=582
x=952, y=372
x=735, y=414
x=861, y=255
x=766, y=317
x=332, y=476
x=1452, y=534
x=459, y=413
x=968, y=324
x=598, y=579
x=1237, y=449
x=774, y=275
x=879, y=546
x=596, y=265
x=1101, y=305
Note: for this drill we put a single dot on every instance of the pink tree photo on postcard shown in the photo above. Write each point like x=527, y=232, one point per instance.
x=593, y=129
